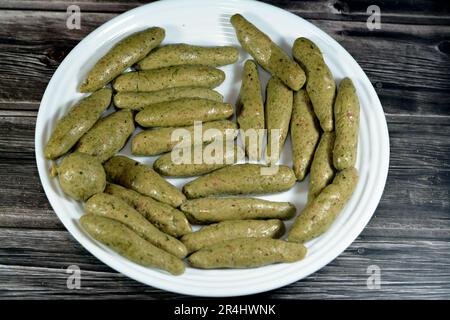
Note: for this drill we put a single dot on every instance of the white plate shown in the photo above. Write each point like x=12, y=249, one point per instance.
x=206, y=22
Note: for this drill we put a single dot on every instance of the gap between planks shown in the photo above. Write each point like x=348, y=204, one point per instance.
x=33, y=113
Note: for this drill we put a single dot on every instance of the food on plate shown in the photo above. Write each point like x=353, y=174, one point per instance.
x=181, y=53
x=346, y=115
x=163, y=216
x=241, y=179
x=268, y=54
x=183, y=112
x=127, y=243
x=81, y=176
x=322, y=169
x=250, y=110
x=320, y=86
x=143, y=179
x=181, y=162
x=80, y=118
x=232, y=229
x=122, y=56
x=321, y=212
x=109, y=206
x=131, y=208
x=108, y=136
x=247, y=253
x=210, y=210
x=170, y=77
x=278, y=111
x=160, y=140
x=138, y=100
x=305, y=134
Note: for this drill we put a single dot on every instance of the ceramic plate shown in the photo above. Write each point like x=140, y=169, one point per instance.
x=205, y=22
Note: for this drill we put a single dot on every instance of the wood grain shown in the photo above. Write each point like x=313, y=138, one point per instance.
x=33, y=243
x=408, y=61
x=31, y=51
x=43, y=272
x=400, y=11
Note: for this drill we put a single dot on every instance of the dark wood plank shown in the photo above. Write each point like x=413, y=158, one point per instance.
x=24, y=204
x=400, y=11
x=408, y=65
x=407, y=267
x=32, y=50
x=422, y=12
x=17, y=127
x=109, y=6
x=408, y=61
x=404, y=63
x=400, y=7
x=52, y=284
x=412, y=251
x=418, y=181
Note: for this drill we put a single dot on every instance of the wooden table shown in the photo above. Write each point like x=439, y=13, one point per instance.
x=408, y=238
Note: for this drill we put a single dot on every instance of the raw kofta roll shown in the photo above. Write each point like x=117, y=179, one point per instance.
x=182, y=162
x=305, y=134
x=320, y=86
x=183, y=112
x=278, y=111
x=346, y=114
x=81, y=176
x=170, y=77
x=127, y=243
x=143, y=179
x=241, y=179
x=156, y=141
x=250, y=111
x=322, y=169
x=247, y=253
x=321, y=212
x=109, y=206
x=122, y=56
x=139, y=100
x=210, y=210
x=233, y=229
x=108, y=135
x=163, y=216
x=178, y=54
x=80, y=118
x=269, y=55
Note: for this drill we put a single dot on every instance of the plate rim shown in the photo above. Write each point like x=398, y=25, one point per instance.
x=119, y=265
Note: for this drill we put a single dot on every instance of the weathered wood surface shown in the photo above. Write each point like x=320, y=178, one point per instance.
x=399, y=58
x=409, y=236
